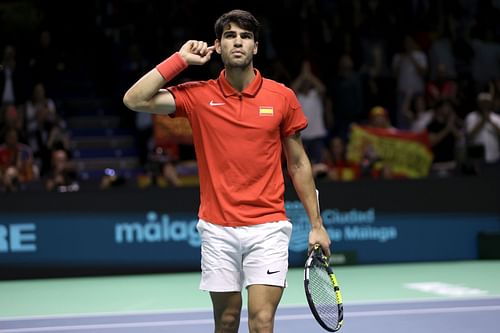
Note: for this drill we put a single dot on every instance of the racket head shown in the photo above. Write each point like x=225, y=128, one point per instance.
x=322, y=291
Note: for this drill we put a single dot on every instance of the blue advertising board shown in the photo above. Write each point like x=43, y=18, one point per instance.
x=166, y=240
x=157, y=235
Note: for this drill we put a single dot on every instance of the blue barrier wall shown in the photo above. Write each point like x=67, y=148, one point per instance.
x=126, y=230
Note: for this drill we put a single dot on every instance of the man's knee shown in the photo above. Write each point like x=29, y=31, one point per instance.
x=227, y=311
x=261, y=321
x=228, y=321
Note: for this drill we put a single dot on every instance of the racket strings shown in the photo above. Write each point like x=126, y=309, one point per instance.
x=323, y=295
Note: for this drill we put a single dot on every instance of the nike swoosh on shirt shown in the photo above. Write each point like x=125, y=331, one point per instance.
x=273, y=272
x=212, y=103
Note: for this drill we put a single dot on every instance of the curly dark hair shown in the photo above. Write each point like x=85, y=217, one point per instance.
x=242, y=18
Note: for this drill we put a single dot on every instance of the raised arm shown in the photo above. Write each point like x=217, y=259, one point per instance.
x=147, y=95
x=306, y=75
x=299, y=169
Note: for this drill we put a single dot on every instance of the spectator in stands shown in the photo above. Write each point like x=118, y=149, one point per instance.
x=37, y=53
x=444, y=135
x=376, y=38
x=372, y=165
x=59, y=138
x=311, y=93
x=11, y=117
x=486, y=60
x=46, y=130
x=410, y=69
x=347, y=97
x=379, y=118
x=13, y=81
x=339, y=168
x=62, y=176
x=494, y=90
x=416, y=110
x=441, y=54
x=16, y=162
x=46, y=61
x=38, y=103
x=443, y=86
x=483, y=128
x=377, y=78
x=163, y=162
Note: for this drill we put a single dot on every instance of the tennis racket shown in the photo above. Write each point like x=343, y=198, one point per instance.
x=322, y=291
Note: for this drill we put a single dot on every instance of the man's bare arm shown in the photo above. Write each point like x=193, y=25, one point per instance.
x=299, y=169
x=147, y=95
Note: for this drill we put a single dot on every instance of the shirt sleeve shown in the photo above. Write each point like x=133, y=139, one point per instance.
x=470, y=121
x=294, y=119
x=183, y=100
x=495, y=119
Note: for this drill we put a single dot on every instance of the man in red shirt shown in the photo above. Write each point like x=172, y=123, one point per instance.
x=241, y=122
x=16, y=162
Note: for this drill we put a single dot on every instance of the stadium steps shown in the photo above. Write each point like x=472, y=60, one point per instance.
x=94, y=167
x=104, y=152
x=87, y=106
x=98, y=139
x=97, y=142
x=100, y=121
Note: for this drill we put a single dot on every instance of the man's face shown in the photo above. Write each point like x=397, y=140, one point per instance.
x=236, y=46
x=379, y=121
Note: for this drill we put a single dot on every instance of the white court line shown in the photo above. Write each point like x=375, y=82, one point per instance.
x=278, y=318
x=209, y=310
x=427, y=299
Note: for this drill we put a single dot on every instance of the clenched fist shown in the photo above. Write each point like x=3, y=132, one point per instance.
x=196, y=52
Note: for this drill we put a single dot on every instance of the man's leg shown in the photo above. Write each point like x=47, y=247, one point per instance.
x=227, y=310
x=263, y=301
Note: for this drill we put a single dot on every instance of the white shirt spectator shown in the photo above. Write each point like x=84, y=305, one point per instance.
x=409, y=80
x=8, y=90
x=312, y=105
x=487, y=136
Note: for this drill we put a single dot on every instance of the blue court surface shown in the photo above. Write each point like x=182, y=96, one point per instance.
x=444, y=316
x=451, y=297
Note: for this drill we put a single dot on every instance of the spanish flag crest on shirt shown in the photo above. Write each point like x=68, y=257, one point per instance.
x=266, y=111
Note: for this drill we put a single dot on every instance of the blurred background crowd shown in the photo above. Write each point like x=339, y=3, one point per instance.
x=396, y=68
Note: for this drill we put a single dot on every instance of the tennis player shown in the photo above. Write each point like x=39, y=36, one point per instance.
x=241, y=123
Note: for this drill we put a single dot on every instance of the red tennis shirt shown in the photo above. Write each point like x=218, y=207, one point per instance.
x=238, y=143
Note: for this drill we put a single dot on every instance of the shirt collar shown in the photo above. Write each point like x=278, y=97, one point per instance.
x=251, y=90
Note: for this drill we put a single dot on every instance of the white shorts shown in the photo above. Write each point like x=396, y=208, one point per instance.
x=236, y=257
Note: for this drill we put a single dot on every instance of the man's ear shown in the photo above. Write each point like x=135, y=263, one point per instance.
x=256, y=48
x=217, y=46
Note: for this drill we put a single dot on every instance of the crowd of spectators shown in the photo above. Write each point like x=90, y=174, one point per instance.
x=413, y=65
x=32, y=131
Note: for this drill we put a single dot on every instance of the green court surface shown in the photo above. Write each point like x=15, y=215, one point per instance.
x=168, y=292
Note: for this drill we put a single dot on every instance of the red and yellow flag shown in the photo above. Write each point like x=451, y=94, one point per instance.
x=407, y=153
